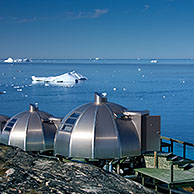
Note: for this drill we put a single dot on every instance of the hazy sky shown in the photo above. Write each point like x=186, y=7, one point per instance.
x=97, y=28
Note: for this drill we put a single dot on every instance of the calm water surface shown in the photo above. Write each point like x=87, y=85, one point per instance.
x=165, y=88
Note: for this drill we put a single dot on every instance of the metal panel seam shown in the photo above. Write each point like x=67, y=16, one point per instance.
x=26, y=130
x=41, y=124
x=94, y=134
x=137, y=133
x=116, y=129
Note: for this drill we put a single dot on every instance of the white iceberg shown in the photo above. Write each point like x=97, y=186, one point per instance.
x=26, y=60
x=67, y=78
x=154, y=61
x=17, y=60
x=8, y=60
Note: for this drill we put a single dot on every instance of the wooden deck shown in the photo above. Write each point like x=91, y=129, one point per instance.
x=160, y=176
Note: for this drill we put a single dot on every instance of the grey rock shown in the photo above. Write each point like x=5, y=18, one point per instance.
x=22, y=172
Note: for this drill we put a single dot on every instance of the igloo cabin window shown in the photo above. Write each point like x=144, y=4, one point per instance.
x=69, y=123
x=10, y=124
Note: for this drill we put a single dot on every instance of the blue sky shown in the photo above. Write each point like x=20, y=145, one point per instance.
x=97, y=28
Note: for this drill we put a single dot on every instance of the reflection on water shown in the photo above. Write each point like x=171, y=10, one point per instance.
x=61, y=84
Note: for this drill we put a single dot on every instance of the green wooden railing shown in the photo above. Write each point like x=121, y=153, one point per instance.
x=171, y=144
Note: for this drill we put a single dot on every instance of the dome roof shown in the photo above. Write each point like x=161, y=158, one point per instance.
x=99, y=130
x=32, y=130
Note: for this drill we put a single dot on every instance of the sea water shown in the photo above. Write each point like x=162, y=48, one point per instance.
x=165, y=88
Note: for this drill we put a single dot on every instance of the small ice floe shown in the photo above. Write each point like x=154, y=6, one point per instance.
x=124, y=89
x=95, y=59
x=143, y=76
x=104, y=94
x=8, y=60
x=68, y=78
x=139, y=69
x=182, y=81
x=154, y=61
x=3, y=92
x=164, y=96
x=114, y=89
x=19, y=90
x=19, y=71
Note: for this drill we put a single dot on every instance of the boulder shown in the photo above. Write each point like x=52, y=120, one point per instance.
x=23, y=172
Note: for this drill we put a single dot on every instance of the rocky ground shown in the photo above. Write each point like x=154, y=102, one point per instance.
x=22, y=172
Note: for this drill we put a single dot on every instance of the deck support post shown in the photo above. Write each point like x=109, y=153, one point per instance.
x=160, y=144
x=171, y=173
x=142, y=179
x=184, y=150
x=155, y=185
x=118, y=168
x=155, y=159
x=171, y=145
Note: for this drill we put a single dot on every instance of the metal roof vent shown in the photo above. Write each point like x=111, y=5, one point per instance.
x=33, y=107
x=32, y=130
x=99, y=130
x=100, y=98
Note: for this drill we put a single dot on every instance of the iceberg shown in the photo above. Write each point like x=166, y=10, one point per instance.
x=67, y=78
x=17, y=60
x=8, y=60
x=27, y=60
x=154, y=61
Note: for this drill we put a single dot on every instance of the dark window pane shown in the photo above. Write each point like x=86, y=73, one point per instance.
x=70, y=121
x=7, y=129
x=13, y=120
x=75, y=115
x=63, y=127
x=10, y=124
x=67, y=128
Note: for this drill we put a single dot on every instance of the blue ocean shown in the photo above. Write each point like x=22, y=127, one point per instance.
x=165, y=88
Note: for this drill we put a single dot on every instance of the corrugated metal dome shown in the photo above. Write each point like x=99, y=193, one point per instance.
x=99, y=130
x=3, y=120
x=32, y=130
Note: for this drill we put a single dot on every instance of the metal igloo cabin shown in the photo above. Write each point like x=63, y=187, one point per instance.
x=31, y=130
x=105, y=130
